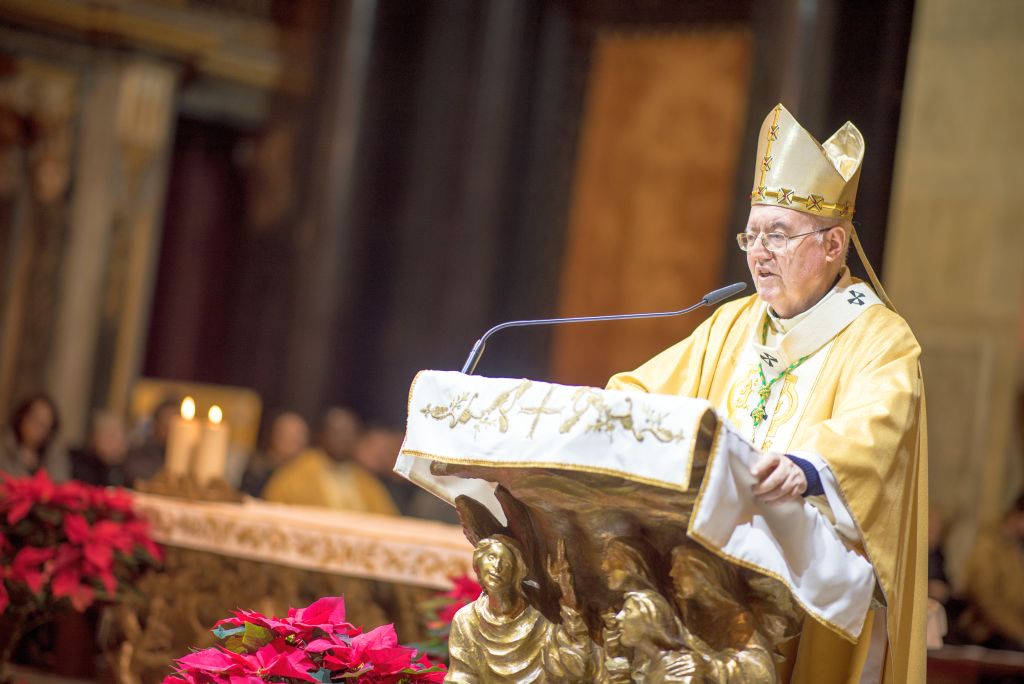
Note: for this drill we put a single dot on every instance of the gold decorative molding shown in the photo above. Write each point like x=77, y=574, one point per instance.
x=398, y=550
x=235, y=49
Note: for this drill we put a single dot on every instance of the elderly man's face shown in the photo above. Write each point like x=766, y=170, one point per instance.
x=793, y=279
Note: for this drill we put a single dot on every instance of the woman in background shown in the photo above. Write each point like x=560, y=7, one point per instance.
x=30, y=441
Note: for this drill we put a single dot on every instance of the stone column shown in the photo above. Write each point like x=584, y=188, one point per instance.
x=113, y=236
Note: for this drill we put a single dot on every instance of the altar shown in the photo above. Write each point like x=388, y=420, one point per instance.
x=268, y=557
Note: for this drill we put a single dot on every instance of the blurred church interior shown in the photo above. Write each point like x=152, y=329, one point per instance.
x=292, y=206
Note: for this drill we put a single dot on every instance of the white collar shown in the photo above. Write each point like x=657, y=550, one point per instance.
x=784, y=325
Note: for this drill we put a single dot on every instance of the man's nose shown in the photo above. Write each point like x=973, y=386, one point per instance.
x=758, y=249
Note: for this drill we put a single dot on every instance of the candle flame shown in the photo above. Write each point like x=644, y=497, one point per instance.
x=188, y=408
x=215, y=414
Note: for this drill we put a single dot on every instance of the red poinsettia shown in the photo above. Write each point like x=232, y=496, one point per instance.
x=67, y=541
x=311, y=644
x=438, y=612
x=464, y=590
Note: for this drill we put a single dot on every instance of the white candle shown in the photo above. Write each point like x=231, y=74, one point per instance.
x=212, y=454
x=182, y=439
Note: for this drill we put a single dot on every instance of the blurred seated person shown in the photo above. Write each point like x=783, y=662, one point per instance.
x=938, y=583
x=101, y=461
x=289, y=435
x=29, y=441
x=377, y=451
x=147, y=458
x=994, y=617
x=329, y=476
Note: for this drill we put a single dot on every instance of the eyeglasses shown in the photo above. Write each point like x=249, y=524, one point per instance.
x=774, y=242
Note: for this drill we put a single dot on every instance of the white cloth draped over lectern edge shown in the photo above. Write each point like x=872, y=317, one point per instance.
x=649, y=438
x=792, y=542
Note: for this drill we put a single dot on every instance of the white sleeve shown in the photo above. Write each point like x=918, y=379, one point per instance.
x=843, y=518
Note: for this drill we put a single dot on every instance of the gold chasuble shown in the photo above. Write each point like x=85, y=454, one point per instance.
x=855, y=399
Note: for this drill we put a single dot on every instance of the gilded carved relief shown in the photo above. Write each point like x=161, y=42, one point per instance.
x=628, y=598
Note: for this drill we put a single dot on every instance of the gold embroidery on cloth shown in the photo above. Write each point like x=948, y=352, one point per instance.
x=740, y=394
x=585, y=402
x=785, y=408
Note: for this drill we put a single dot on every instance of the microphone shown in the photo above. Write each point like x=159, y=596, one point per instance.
x=710, y=299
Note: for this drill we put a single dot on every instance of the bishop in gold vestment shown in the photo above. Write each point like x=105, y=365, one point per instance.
x=817, y=369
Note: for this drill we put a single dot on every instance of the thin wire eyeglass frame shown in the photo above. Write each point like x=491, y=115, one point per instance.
x=746, y=240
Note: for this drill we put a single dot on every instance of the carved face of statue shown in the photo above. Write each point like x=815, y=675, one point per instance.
x=616, y=574
x=496, y=567
x=684, y=576
x=625, y=568
x=631, y=623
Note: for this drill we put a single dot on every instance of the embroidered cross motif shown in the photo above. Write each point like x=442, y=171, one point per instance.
x=767, y=163
x=814, y=202
x=773, y=132
x=785, y=196
x=759, y=193
x=844, y=208
x=856, y=298
x=538, y=411
x=769, y=359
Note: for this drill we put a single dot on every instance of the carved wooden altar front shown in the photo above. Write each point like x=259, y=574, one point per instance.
x=269, y=557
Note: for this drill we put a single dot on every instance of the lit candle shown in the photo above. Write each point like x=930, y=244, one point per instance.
x=182, y=439
x=212, y=455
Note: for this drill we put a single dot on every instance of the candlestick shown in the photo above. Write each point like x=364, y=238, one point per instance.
x=182, y=439
x=212, y=454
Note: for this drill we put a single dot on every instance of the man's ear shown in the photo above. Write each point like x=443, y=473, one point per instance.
x=834, y=243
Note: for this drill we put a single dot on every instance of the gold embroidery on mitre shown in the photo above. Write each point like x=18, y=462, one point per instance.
x=794, y=169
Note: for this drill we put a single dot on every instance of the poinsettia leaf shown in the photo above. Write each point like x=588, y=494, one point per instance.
x=255, y=637
x=327, y=610
x=224, y=631
x=323, y=675
x=235, y=643
x=212, y=661
x=377, y=638
x=48, y=515
x=319, y=645
x=282, y=660
x=354, y=674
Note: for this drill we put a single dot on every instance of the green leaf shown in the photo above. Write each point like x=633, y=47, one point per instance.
x=223, y=631
x=234, y=644
x=355, y=674
x=256, y=637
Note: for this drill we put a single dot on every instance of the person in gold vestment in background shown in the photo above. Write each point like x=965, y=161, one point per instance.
x=819, y=372
x=995, y=584
x=329, y=476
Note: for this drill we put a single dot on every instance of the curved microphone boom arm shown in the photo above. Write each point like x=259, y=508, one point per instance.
x=710, y=299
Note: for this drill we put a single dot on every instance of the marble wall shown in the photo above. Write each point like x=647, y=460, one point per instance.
x=953, y=257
